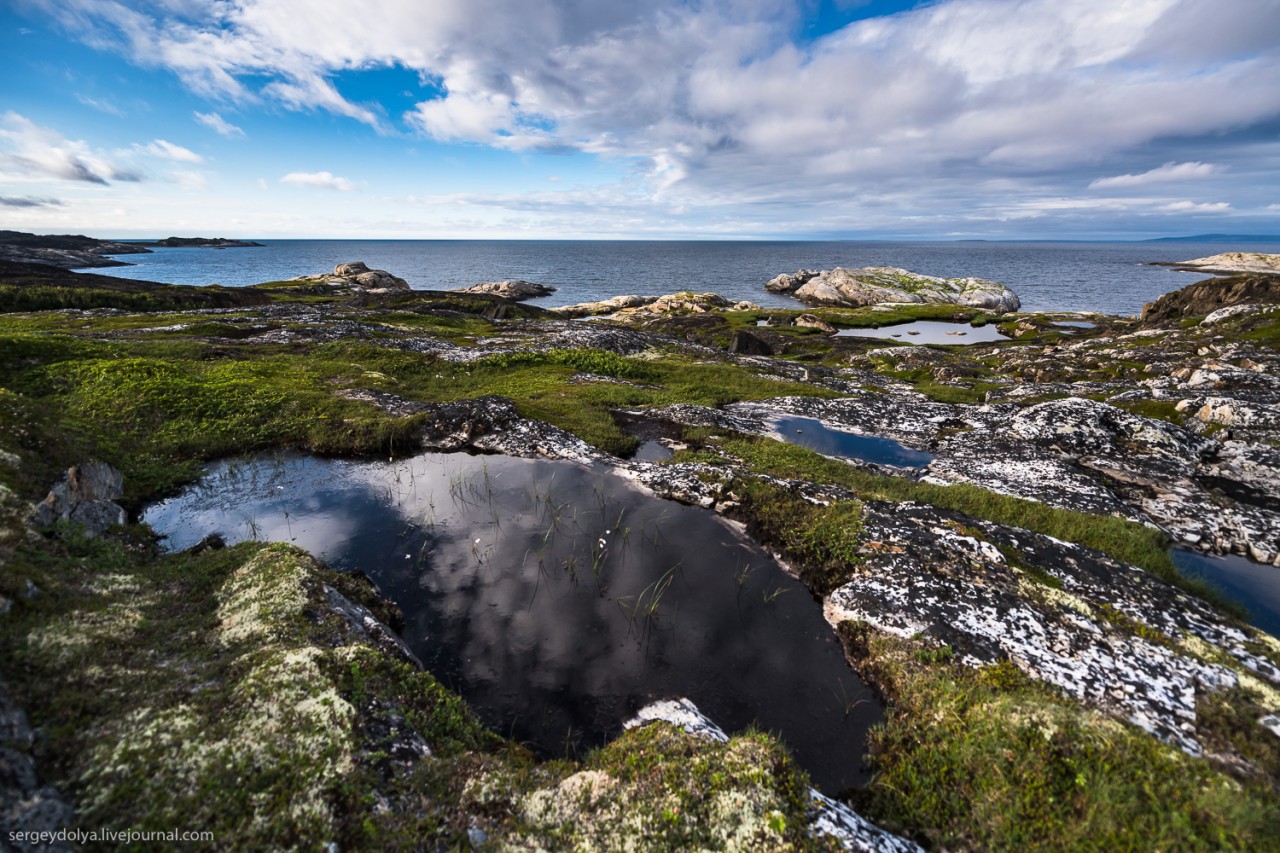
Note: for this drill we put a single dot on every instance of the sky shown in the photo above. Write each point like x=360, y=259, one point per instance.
x=641, y=119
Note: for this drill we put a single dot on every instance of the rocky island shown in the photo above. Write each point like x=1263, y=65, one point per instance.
x=1049, y=677
x=204, y=243
x=68, y=251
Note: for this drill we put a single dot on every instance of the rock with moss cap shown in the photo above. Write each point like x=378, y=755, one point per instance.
x=854, y=288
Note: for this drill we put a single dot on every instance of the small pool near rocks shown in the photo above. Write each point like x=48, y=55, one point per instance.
x=1254, y=586
x=813, y=434
x=930, y=332
x=558, y=599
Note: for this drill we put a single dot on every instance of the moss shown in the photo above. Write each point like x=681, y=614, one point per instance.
x=987, y=759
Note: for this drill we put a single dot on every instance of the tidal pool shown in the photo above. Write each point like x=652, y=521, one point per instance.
x=1077, y=324
x=930, y=332
x=813, y=434
x=558, y=599
x=1253, y=586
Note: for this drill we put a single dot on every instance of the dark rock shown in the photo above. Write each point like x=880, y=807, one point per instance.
x=745, y=343
x=1205, y=297
x=85, y=495
x=205, y=243
x=67, y=251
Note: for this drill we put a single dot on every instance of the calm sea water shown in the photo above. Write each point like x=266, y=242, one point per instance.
x=1109, y=277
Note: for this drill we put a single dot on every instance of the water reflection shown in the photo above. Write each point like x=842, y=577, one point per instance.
x=930, y=332
x=1253, y=586
x=558, y=599
x=813, y=434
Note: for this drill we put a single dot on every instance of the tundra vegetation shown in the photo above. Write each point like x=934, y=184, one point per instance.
x=218, y=688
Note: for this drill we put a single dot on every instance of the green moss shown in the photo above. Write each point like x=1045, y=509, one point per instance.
x=987, y=759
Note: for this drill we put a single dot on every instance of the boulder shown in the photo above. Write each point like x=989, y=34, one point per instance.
x=515, y=289
x=854, y=288
x=85, y=495
x=357, y=276
x=812, y=321
x=604, y=306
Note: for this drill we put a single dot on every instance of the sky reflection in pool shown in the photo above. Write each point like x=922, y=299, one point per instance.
x=811, y=433
x=558, y=599
x=930, y=332
x=1253, y=586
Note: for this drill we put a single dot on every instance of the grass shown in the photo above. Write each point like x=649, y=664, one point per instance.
x=989, y=759
x=1125, y=540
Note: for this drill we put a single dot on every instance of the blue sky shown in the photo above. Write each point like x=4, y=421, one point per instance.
x=1069, y=119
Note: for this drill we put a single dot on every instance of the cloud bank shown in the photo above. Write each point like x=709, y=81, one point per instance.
x=722, y=103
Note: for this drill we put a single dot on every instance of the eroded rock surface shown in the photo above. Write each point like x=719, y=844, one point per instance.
x=853, y=288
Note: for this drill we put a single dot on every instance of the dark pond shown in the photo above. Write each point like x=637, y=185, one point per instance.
x=811, y=433
x=930, y=332
x=652, y=450
x=1253, y=586
x=556, y=598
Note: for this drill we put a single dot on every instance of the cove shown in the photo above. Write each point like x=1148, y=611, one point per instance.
x=1254, y=586
x=813, y=434
x=930, y=332
x=558, y=599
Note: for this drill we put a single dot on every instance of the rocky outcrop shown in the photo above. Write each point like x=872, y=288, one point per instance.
x=358, y=277
x=515, y=289
x=684, y=302
x=1207, y=298
x=854, y=288
x=85, y=495
x=27, y=806
x=66, y=251
x=1229, y=263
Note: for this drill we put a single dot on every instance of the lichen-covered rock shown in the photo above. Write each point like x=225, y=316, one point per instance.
x=515, y=289
x=1206, y=297
x=854, y=288
x=85, y=495
x=1108, y=634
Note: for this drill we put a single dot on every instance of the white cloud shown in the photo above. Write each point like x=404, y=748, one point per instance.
x=37, y=151
x=219, y=125
x=166, y=150
x=101, y=105
x=720, y=108
x=319, y=180
x=1193, y=207
x=190, y=179
x=1167, y=172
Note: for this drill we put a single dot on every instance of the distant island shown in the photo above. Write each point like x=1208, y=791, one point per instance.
x=76, y=251
x=202, y=242
x=1218, y=238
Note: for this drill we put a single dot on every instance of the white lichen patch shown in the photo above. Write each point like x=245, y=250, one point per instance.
x=81, y=632
x=262, y=592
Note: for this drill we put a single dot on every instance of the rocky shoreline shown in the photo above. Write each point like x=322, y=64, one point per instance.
x=1012, y=598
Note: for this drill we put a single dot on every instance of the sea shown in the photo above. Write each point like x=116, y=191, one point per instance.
x=1113, y=278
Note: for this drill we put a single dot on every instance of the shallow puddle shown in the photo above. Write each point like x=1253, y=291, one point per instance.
x=930, y=332
x=811, y=433
x=1253, y=586
x=1078, y=324
x=652, y=451
x=558, y=599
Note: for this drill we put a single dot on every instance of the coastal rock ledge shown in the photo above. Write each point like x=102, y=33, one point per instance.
x=854, y=288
